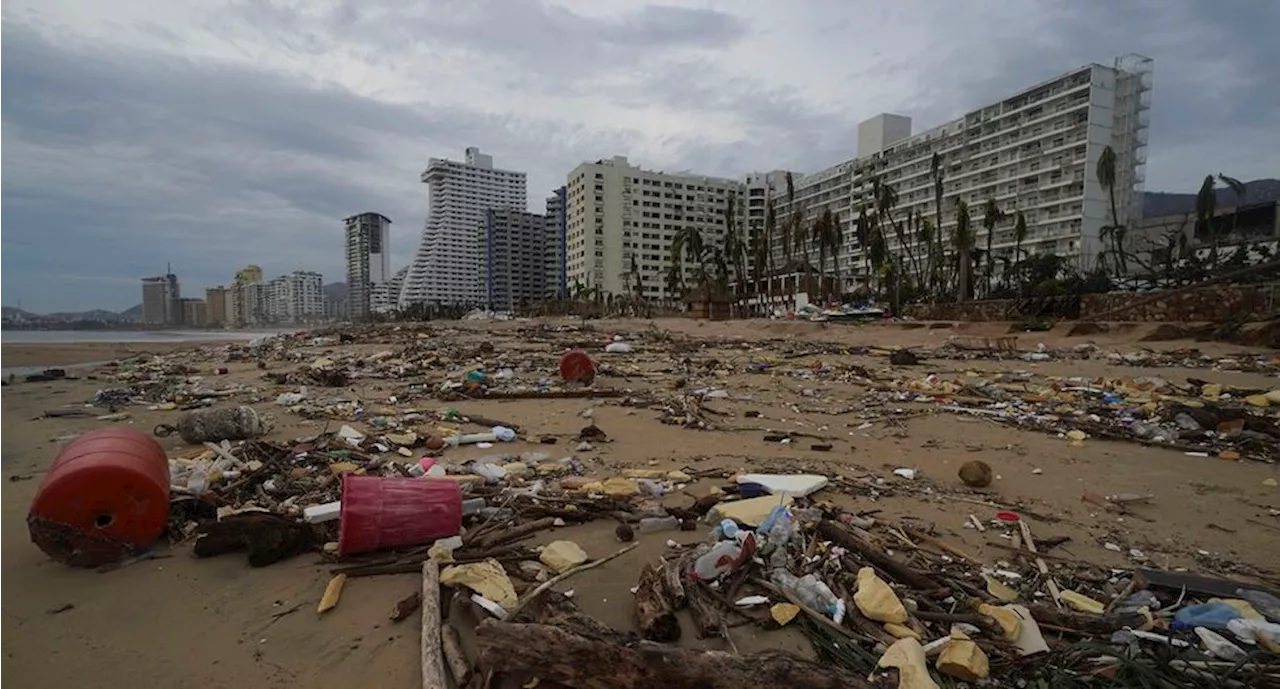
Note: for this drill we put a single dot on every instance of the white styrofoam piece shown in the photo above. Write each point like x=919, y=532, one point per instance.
x=795, y=485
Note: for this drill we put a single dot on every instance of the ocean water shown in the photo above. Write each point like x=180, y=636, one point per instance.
x=71, y=336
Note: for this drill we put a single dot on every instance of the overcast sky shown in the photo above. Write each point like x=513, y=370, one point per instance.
x=214, y=134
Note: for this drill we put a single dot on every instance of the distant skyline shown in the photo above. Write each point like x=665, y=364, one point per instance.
x=212, y=135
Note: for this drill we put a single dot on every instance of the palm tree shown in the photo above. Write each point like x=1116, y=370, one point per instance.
x=788, y=227
x=770, y=229
x=735, y=249
x=1206, y=208
x=1241, y=191
x=963, y=241
x=935, y=171
x=1114, y=231
x=835, y=242
x=800, y=237
x=1019, y=235
x=822, y=240
x=991, y=214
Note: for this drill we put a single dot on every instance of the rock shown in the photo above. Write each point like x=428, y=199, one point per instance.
x=962, y=659
x=562, y=555
x=403, y=438
x=783, y=613
x=435, y=442
x=619, y=487
x=535, y=571
x=976, y=474
x=899, y=631
x=907, y=655
x=516, y=468
x=486, y=578
x=1273, y=397
x=1010, y=622
x=624, y=533
x=876, y=601
x=1076, y=436
x=904, y=357
x=1259, y=400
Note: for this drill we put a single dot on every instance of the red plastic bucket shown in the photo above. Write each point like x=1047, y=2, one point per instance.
x=577, y=367
x=106, y=497
x=383, y=513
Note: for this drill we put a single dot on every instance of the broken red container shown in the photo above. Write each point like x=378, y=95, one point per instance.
x=383, y=513
x=577, y=367
x=105, y=498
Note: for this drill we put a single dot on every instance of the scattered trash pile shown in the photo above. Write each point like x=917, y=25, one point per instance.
x=380, y=489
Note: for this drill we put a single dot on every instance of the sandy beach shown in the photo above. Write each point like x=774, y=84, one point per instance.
x=181, y=621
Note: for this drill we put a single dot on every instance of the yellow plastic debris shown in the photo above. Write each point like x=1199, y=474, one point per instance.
x=1212, y=391
x=332, y=593
x=1242, y=606
x=1270, y=483
x=678, y=476
x=339, y=468
x=1258, y=400
x=516, y=468
x=1273, y=397
x=645, y=473
x=962, y=659
x=876, y=601
x=486, y=578
x=1002, y=591
x=1082, y=602
x=1008, y=620
x=900, y=631
x=562, y=555
x=619, y=487
x=784, y=612
x=907, y=655
x=1076, y=436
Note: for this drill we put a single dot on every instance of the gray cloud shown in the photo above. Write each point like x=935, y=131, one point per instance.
x=153, y=133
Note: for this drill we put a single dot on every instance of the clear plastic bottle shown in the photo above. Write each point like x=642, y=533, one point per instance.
x=652, y=487
x=655, y=524
x=812, y=592
x=716, y=561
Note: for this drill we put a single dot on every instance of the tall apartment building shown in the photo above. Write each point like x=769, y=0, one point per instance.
x=368, y=242
x=554, y=247
x=294, y=298
x=215, y=299
x=447, y=264
x=513, y=270
x=760, y=189
x=618, y=213
x=1035, y=151
x=195, y=314
x=386, y=295
x=161, y=300
x=244, y=308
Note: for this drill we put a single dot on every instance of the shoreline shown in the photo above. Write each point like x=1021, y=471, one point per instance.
x=18, y=357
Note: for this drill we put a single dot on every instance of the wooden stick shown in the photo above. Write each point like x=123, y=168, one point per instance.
x=561, y=577
x=433, y=675
x=459, y=666
x=1030, y=543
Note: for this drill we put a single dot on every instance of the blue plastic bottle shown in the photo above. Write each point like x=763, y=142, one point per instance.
x=1208, y=615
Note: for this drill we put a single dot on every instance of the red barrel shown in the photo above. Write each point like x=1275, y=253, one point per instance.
x=577, y=367
x=382, y=513
x=105, y=497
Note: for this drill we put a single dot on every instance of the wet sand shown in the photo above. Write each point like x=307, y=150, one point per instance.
x=179, y=621
x=23, y=354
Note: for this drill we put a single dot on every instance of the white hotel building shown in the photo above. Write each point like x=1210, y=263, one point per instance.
x=1035, y=151
x=617, y=211
x=447, y=264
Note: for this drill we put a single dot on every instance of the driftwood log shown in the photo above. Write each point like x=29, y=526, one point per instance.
x=432, y=654
x=673, y=580
x=1083, y=622
x=459, y=666
x=899, y=572
x=555, y=655
x=515, y=533
x=654, y=615
x=707, y=619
